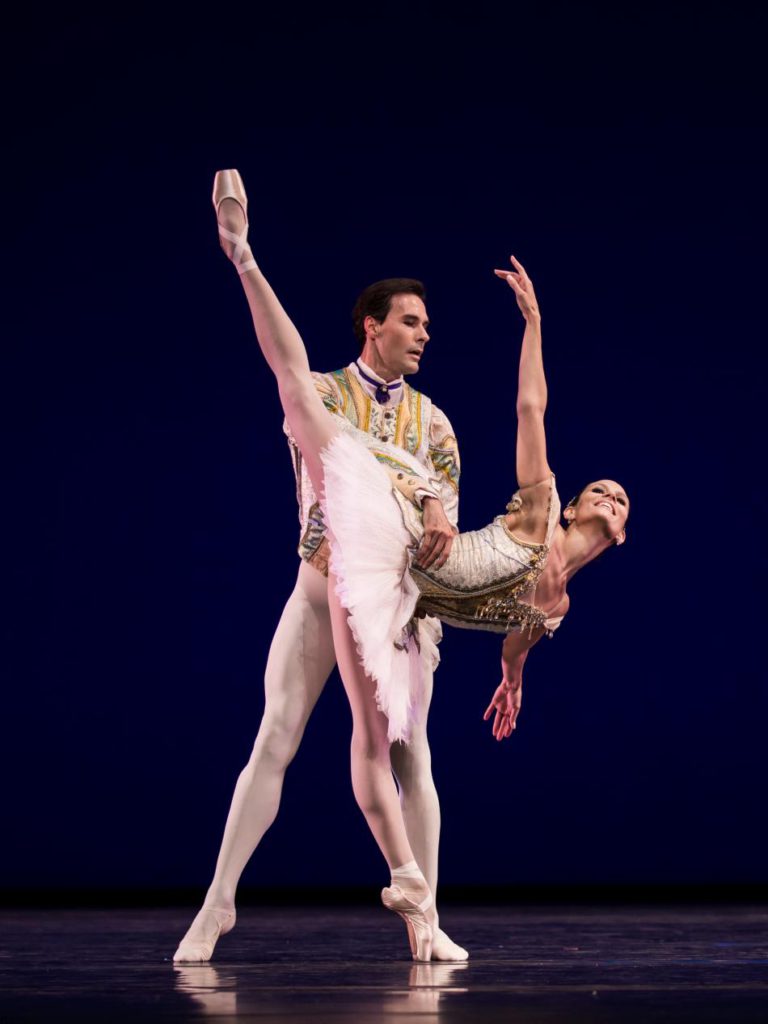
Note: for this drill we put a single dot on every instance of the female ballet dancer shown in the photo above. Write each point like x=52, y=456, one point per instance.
x=510, y=577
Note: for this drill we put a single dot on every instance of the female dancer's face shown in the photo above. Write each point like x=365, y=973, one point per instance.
x=398, y=341
x=604, y=502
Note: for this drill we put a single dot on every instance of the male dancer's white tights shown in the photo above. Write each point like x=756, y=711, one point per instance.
x=300, y=660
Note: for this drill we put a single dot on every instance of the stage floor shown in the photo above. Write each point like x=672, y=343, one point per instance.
x=528, y=966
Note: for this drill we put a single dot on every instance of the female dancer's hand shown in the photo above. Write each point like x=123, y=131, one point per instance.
x=522, y=286
x=506, y=703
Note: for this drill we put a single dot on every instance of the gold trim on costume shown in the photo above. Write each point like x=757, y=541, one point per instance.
x=518, y=540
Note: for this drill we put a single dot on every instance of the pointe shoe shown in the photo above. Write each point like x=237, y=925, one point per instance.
x=419, y=928
x=229, y=185
x=200, y=951
x=446, y=950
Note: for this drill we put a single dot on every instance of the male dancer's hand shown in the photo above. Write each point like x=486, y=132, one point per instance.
x=438, y=536
x=506, y=703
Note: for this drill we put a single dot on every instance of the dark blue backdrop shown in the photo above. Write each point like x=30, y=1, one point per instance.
x=153, y=531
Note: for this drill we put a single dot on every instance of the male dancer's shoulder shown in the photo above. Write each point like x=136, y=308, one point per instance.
x=342, y=393
x=338, y=395
x=330, y=388
x=442, y=436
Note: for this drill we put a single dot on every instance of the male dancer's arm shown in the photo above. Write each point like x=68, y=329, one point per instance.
x=415, y=489
x=440, y=516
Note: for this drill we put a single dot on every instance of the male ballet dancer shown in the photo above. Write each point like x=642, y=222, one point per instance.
x=390, y=321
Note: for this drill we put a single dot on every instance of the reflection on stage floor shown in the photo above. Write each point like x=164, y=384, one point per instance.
x=528, y=966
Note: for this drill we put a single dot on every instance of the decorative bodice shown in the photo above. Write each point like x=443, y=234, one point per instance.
x=487, y=577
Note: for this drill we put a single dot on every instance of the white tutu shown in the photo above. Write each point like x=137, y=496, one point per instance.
x=370, y=560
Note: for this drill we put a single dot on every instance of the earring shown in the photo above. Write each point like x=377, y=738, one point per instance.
x=515, y=503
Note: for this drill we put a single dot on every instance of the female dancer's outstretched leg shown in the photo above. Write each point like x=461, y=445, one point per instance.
x=314, y=428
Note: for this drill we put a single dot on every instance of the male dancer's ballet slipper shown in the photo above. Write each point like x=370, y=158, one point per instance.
x=229, y=185
x=419, y=928
x=218, y=922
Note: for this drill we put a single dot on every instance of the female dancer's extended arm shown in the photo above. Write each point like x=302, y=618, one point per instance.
x=506, y=701
x=532, y=469
x=532, y=466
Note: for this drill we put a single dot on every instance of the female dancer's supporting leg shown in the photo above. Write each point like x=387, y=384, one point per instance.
x=314, y=429
x=374, y=787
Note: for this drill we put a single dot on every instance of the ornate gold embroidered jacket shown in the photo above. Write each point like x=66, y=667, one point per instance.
x=413, y=423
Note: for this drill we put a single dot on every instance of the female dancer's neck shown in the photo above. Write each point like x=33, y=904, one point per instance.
x=578, y=547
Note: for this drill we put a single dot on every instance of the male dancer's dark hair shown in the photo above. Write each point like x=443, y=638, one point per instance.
x=376, y=300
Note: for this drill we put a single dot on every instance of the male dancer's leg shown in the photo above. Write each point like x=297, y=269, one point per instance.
x=300, y=660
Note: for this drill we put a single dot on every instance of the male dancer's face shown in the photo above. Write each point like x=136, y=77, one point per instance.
x=395, y=346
